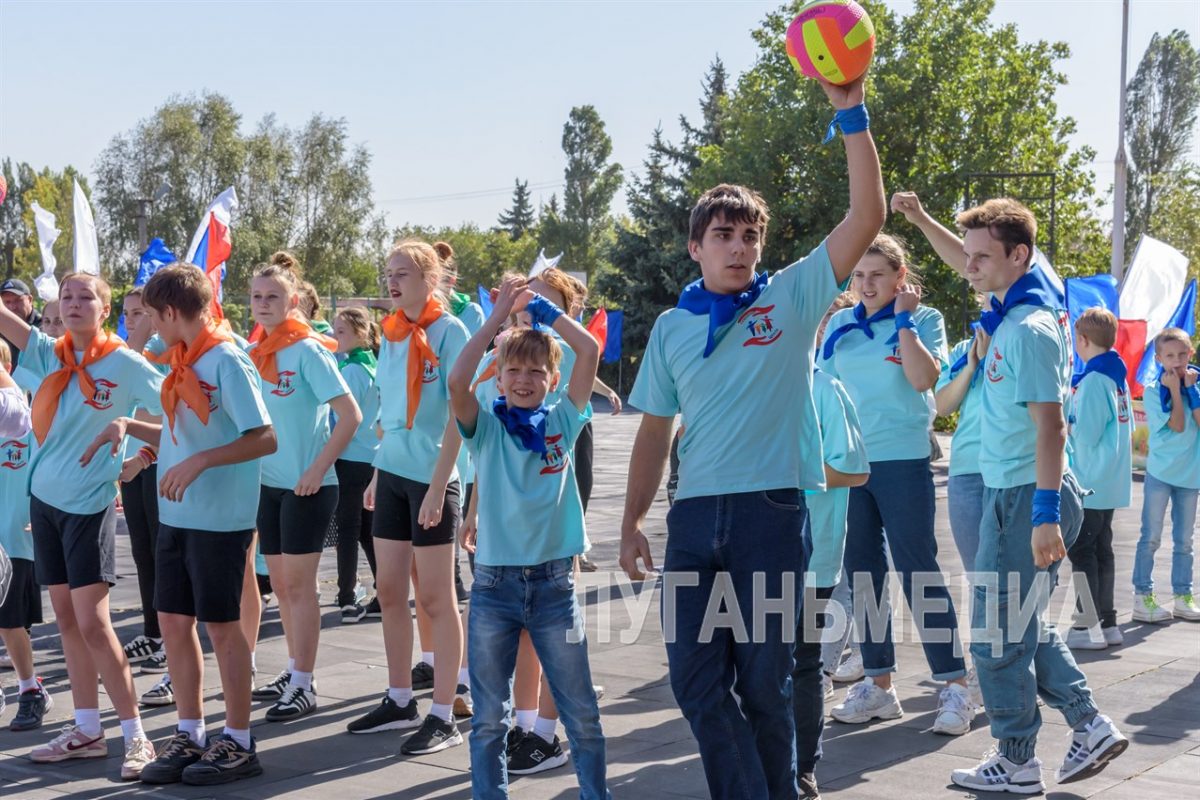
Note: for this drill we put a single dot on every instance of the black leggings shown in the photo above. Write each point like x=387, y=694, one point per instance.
x=353, y=524
x=140, y=499
x=583, y=464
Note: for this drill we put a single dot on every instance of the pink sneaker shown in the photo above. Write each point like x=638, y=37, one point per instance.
x=138, y=754
x=70, y=743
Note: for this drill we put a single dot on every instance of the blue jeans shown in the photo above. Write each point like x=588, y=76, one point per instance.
x=808, y=696
x=539, y=599
x=1155, y=494
x=722, y=552
x=1019, y=656
x=899, y=497
x=965, y=496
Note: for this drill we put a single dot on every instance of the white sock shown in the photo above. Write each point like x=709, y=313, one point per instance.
x=27, y=684
x=401, y=697
x=427, y=658
x=132, y=729
x=464, y=677
x=291, y=665
x=441, y=711
x=253, y=662
x=88, y=720
x=239, y=735
x=526, y=718
x=194, y=728
x=302, y=679
x=545, y=728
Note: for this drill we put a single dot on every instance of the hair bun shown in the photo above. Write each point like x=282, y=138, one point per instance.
x=282, y=258
x=444, y=250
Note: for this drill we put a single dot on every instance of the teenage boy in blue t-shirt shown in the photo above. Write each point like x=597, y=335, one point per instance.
x=735, y=359
x=530, y=529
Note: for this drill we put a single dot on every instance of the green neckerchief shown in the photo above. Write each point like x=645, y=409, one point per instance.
x=363, y=357
x=458, y=301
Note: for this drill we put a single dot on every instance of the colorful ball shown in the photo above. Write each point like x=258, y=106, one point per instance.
x=833, y=39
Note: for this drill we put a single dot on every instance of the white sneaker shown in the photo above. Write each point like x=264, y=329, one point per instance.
x=997, y=774
x=5, y=661
x=1185, y=608
x=1086, y=638
x=827, y=686
x=1113, y=636
x=1091, y=750
x=955, y=711
x=865, y=701
x=851, y=669
x=1147, y=609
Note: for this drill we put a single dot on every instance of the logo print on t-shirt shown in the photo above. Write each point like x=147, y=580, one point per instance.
x=429, y=374
x=894, y=358
x=556, y=457
x=993, y=370
x=758, y=323
x=102, y=397
x=284, y=387
x=210, y=392
x=14, y=454
x=1122, y=408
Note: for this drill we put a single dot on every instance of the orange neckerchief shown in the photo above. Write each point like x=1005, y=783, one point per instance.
x=182, y=383
x=488, y=373
x=287, y=334
x=45, y=402
x=397, y=328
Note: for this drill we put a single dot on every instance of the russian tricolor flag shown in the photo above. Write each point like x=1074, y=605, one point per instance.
x=212, y=244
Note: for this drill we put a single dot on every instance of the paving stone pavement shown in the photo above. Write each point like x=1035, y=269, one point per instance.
x=1151, y=687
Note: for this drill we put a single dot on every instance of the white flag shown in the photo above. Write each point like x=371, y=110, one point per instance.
x=87, y=249
x=1153, y=284
x=542, y=263
x=47, y=231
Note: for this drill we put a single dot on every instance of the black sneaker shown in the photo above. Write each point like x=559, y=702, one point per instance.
x=534, y=754
x=513, y=740
x=373, y=609
x=141, y=647
x=224, y=761
x=387, y=716
x=179, y=753
x=32, y=705
x=156, y=664
x=422, y=676
x=274, y=689
x=435, y=735
x=352, y=613
x=295, y=703
x=808, y=787
x=161, y=694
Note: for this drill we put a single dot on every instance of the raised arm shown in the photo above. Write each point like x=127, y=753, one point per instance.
x=587, y=358
x=921, y=369
x=463, y=403
x=946, y=244
x=13, y=328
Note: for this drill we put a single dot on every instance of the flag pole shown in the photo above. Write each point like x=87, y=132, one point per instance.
x=1120, y=165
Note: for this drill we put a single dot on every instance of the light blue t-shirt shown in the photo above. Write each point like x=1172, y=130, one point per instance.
x=1030, y=362
x=1099, y=443
x=221, y=498
x=895, y=417
x=843, y=449
x=124, y=381
x=529, y=506
x=365, y=444
x=751, y=424
x=472, y=317
x=14, y=496
x=964, y=447
x=413, y=453
x=299, y=409
x=1174, y=457
x=156, y=347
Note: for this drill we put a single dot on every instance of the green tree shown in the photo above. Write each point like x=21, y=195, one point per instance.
x=519, y=219
x=14, y=232
x=482, y=255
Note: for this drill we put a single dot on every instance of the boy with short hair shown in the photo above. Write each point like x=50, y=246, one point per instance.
x=1172, y=403
x=530, y=529
x=216, y=429
x=1099, y=447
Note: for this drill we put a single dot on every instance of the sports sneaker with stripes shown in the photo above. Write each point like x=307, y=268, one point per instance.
x=387, y=716
x=224, y=761
x=139, y=648
x=1092, y=749
x=435, y=735
x=997, y=774
x=295, y=703
x=353, y=613
x=156, y=664
x=274, y=689
x=161, y=694
x=71, y=742
x=534, y=754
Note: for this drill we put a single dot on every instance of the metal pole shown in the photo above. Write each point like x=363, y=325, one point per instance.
x=1120, y=166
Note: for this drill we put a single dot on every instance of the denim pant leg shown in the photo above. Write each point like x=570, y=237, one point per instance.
x=1183, y=530
x=555, y=625
x=494, y=627
x=965, y=505
x=867, y=564
x=702, y=672
x=839, y=622
x=1155, y=496
x=808, y=697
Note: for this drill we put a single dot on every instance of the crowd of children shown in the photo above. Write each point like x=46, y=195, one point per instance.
x=804, y=473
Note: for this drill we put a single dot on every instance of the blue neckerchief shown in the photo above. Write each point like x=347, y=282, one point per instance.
x=1164, y=394
x=1031, y=288
x=527, y=424
x=721, y=308
x=1107, y=364
x=861, y=323
x=962, y=360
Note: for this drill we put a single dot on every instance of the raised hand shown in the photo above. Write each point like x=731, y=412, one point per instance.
x=908, y=204
x=848, y=95
x=908, y=297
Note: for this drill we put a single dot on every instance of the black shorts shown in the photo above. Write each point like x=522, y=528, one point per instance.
x=22, y=607
x=199, y=573
x=288, y=523
x=397, y=504
x=76, y=549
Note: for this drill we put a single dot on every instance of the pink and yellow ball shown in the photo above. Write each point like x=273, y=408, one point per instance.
x=833, y=39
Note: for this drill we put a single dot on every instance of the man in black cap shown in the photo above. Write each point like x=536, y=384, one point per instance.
x=16, y=296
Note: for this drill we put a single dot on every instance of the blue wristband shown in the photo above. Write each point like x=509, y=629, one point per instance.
x=1192, y=393
x=542, y=311
x=848, y=120
x=1046, y=506
x=904, y=320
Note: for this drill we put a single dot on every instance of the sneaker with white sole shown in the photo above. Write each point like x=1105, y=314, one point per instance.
x=274, y=689
x=851, y=669
x=161, y=694
x=32, y=705
x=1185, y=608
x=955, y=711
x=435, y=735
x=997, y=774
x=353, y=613
x=224, y=761
x=973, y=689
x=387, y=716
x=139, y=648
x=1086, y=638
x=865, y=701
x=534, y=754
x=71, y=742
x=827, y=691
x=1092, y=749
x=1113, y=636
x=295, y=703
x=1147, y=609
x=156, y=664
x=463, y=707
x=138, y=753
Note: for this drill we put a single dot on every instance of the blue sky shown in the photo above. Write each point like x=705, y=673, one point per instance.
x=453, y=99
